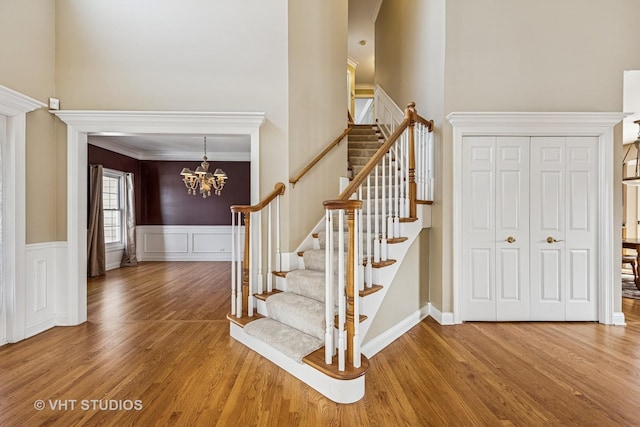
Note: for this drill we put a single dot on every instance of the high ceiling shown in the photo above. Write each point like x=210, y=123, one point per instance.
x=361, y=49
x=362, y=15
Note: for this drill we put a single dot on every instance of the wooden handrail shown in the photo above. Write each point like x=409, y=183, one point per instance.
x=410, y=117
x=277, y=191
x=319, y=157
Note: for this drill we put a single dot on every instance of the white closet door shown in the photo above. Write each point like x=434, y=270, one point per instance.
x=512, y=228
x=496, y=228
x=563, y=228
x=547, y=221
x=479, y=232
x=581, y=228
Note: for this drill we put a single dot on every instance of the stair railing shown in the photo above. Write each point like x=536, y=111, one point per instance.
x=249, y=250
x=382, y=195
x=324, y=152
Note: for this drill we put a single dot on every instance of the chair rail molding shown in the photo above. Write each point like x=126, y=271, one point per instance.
x=14, y=107
x=597, y=124
x=80, y=123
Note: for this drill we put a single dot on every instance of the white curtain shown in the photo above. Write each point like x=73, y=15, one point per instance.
x=129, y=256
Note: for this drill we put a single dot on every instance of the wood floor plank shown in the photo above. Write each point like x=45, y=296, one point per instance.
x=158, y=333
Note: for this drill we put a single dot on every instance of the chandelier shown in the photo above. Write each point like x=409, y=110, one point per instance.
x=203, y=178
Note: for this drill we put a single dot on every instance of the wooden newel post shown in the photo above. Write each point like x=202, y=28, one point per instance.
x=413, y=189
x=245, y=264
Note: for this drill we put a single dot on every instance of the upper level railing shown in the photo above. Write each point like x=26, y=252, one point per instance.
x=382, y=195
x=324, y=152
x=243, y=256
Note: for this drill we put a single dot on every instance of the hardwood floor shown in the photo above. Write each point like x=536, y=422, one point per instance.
x=157, y=334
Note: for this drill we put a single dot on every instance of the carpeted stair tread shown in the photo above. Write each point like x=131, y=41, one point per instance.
x=308, y=283
x=314, y=259
x=288, y=340
x=302, y=313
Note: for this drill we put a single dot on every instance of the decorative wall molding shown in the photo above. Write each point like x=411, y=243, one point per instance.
x=45, y=262
x=544, y=124
x=13, y=103
x=14, y=107
x=81, y=123
x=184, y=243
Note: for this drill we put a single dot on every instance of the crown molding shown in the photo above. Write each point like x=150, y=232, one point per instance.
x=13, y=103
x=503, y=120
x=161, y=121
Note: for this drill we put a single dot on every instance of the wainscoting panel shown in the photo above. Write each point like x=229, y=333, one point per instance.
x=184, y=243
x=42, y=276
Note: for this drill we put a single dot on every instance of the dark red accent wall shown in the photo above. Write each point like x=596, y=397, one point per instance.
x=161, y=196
x=165, y=200
x=111, y=160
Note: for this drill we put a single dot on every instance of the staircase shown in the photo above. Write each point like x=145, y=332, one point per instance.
x=311, y=323
x=364, y=141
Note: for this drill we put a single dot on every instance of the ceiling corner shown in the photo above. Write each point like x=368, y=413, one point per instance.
x=377, y=4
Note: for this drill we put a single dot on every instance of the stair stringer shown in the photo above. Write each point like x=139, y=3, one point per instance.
x=338, y=390
x=370, y=304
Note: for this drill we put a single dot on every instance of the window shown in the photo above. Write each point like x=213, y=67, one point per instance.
x=112, y=205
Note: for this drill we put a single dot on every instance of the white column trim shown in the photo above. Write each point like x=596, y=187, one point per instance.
x=14, y=107
x=83, y=122
x=544, y=124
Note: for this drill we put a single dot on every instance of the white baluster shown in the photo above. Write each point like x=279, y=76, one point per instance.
x=356, y=292
x=376, y=220
x=389, y=200
x=251, y=257
x=239, y=269
x=405, y=149
x=269, y=250
x=328, y=290
x=396, y=218
x=383, y=219
x=341, y=293
x=360, y=254
x=233, y=263
x=278, y=254
x=369, y=269
x=432, y=153
x=260, y=279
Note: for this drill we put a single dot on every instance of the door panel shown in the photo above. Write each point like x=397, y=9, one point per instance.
x=512, y=221
x=547, y=221
x=581, y=234
x=478, y=236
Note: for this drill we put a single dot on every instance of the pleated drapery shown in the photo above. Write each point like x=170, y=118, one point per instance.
x=96, y=259
x=129, y=256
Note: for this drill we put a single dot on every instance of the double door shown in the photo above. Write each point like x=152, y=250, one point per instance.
x=529, y=228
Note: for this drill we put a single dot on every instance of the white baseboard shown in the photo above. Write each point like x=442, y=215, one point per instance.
x=618, y=319
x=442, y=318
x=372, y=347
x=40, y=326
